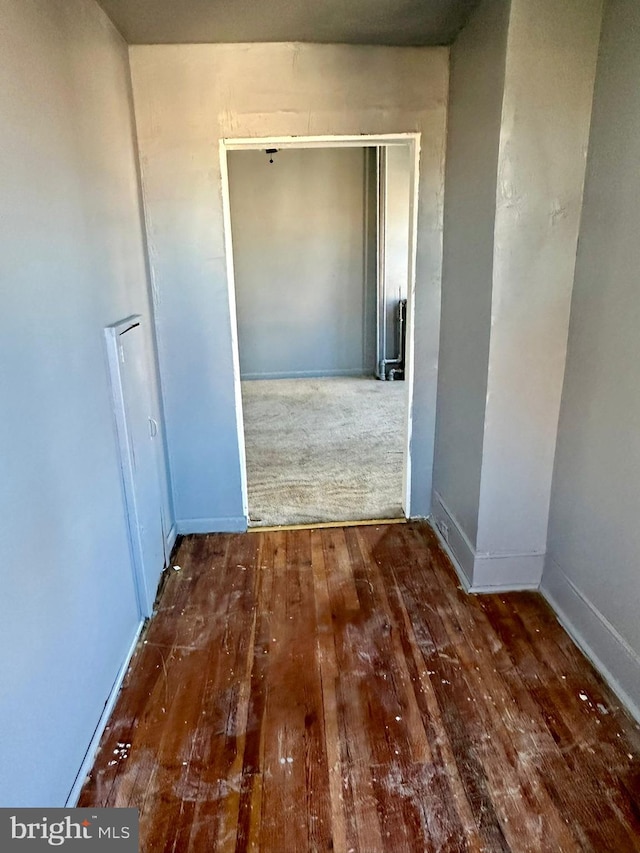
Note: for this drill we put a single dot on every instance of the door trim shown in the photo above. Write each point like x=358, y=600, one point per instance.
x=354, y=141
x=112, y=334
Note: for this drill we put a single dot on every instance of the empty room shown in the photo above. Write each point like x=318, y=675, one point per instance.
x=320, y=240
x=319, y=448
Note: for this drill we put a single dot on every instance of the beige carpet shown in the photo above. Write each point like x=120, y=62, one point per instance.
x=323, y=449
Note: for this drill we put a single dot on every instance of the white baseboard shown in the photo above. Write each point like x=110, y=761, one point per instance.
x=450, y=532
x=464, y=580
x=235, y=524
x=307, y=374
x=90, y=754
x=607, y=650
x=484, y=573
x=507, y=572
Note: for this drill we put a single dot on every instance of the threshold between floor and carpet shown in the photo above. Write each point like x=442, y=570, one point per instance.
x=326, y=525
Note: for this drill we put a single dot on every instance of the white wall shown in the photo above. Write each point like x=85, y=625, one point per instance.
x=187, y=97
x=397, y=233
x=71, y=262
x=548, y=83
x=592, y=572
x=299, y=227
x=397, y=200
x=475, y=109
x=551, y=58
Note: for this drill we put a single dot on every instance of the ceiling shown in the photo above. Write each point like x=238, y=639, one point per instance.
x=390, y=22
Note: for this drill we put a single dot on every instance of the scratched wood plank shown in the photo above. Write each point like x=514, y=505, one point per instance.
x=250, y=805
x=357, y=678
x=449, y=818
x=220, y=739
x=337, y=690
x=329, y=674
x=400, y=755
x=176, y=779
x=458, y=716
x=294, y=752
x=511, y=751
x=571, y=699
x=532, y=744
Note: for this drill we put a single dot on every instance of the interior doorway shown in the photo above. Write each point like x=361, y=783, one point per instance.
x=322, y=295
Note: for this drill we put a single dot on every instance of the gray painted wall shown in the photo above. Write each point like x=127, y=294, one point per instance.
x=71, y=261
x=475, y=110
x=544, y=126
x=592, y=573
x=299, y=227
x=187, y=98
x=551, y=60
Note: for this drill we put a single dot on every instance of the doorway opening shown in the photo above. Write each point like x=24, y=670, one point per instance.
x=320, y=238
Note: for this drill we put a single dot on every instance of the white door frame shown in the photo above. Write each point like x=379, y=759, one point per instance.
x=260, y=143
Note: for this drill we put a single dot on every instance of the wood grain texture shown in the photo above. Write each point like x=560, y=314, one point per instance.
x=335, y=689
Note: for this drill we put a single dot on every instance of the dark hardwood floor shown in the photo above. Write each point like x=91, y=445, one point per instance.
x=337, y=690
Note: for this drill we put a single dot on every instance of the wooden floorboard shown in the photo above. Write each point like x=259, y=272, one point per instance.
x=336, y=690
